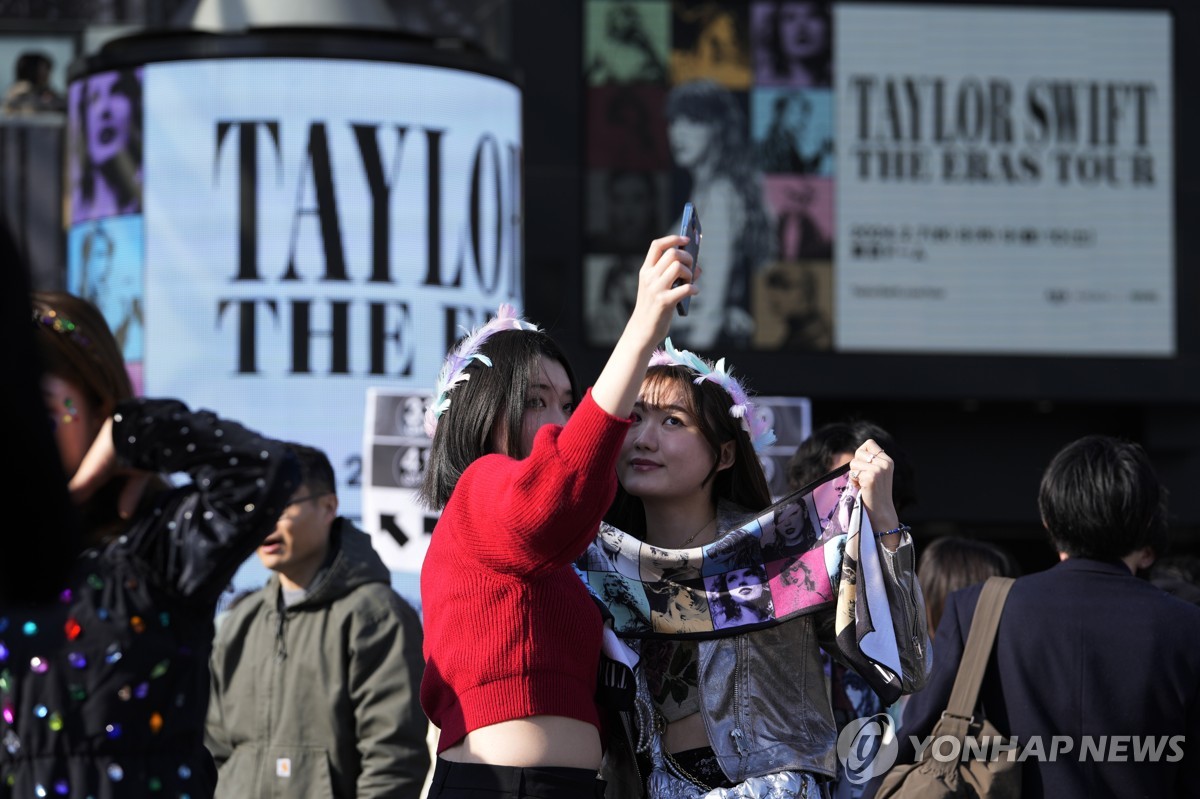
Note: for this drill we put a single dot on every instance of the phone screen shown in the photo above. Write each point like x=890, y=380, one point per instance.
x=690, y=227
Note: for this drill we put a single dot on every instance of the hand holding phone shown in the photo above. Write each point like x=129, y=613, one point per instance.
x=690, y=227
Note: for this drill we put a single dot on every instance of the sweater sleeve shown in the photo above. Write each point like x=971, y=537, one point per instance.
x=198, y=534
x=536, y=515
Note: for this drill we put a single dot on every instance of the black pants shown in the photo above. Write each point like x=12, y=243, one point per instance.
x=468, y=780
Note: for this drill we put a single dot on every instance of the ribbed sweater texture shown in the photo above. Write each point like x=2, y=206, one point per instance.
x=510, y=629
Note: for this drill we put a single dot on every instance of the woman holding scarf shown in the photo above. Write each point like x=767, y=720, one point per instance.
x=736, y=712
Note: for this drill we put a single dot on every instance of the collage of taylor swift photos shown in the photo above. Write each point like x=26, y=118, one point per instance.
x=728, y=105
x=105, y=260
x=785, y=561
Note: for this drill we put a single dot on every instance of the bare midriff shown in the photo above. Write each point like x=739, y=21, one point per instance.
x=530, y=742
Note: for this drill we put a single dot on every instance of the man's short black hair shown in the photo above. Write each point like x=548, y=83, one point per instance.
x=1101, y=499
x=316, y=472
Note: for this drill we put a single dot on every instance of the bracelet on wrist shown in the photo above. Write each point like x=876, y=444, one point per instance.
x=903, y=528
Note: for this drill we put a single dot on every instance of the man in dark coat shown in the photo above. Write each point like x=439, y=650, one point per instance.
x=1098, y=666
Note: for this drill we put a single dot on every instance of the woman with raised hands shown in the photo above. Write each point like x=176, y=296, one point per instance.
x=522, y=470
x=104, y=687
x=736, y=704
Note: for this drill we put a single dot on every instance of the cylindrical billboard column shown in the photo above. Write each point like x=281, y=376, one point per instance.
x=274, y=222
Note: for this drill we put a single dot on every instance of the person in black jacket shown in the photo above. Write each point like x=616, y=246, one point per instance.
x=1090, y=662
x=104, y=688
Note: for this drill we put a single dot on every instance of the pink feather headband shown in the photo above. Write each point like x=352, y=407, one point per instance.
x=453, y=371
x=761, y=436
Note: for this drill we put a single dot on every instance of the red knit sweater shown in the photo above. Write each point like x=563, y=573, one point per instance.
x=510, y=629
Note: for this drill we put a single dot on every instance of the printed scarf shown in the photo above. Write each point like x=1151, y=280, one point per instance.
x=801, y=555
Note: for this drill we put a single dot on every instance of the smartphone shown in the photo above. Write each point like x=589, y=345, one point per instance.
x=690, y=227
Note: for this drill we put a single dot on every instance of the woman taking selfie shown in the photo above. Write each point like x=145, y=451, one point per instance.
x=522, y=470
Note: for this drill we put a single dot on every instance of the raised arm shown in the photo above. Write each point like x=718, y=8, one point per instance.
x=617, y=386
x=523, y=503
x=872, y=470
x=198, y=534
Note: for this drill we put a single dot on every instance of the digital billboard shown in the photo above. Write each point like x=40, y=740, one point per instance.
x=1003, y=187
x=887, y=179
x=273, y=236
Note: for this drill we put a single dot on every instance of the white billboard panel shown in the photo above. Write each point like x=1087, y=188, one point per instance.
x=1004, y=181
x=314, y=227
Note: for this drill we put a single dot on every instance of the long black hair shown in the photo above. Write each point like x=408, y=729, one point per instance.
x=818, y=65
x=744, y=483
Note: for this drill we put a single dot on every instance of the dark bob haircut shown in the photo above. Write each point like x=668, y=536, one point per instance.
x=493, y=398
x=75, y=343
x=1101, y=499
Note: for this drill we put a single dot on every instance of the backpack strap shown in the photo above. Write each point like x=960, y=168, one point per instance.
x=984, y=625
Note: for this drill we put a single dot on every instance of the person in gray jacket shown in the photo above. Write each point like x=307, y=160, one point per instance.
x=315, y=677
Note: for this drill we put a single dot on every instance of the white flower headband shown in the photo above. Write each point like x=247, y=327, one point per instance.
x=761, y=436
x=453, y=370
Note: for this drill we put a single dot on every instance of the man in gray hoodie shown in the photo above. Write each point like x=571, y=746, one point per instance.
x=315, y=677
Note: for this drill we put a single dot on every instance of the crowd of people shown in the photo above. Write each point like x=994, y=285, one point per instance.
x=725, y=663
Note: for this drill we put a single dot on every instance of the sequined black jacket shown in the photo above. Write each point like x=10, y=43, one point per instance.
x=103, y=692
